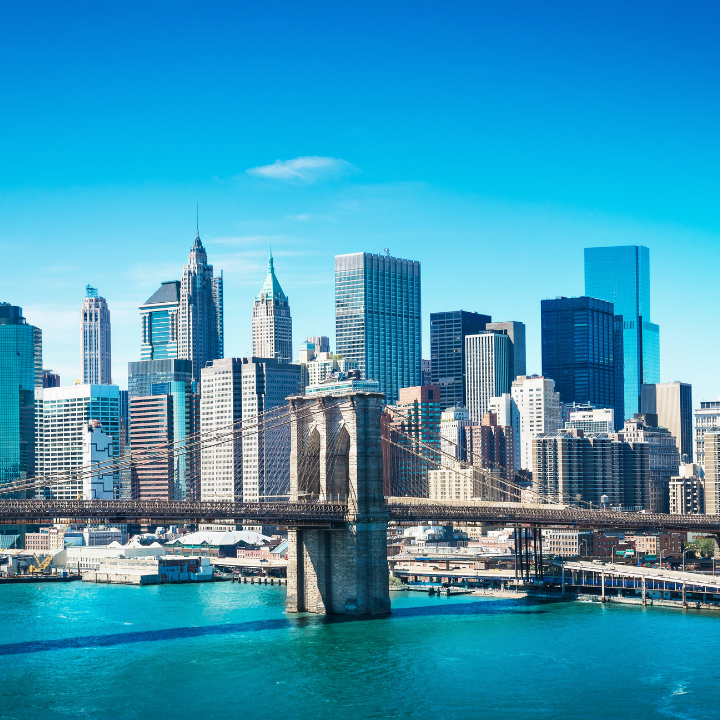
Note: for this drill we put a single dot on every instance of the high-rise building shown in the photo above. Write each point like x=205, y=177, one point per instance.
x=266, y=385
x=62, y=415
x=448, y=331
x=159, y=323
x=377, y=319
x=672, y=403
x=707, y=417
x=50, y=379
x=487, y=370
x=621, y=275
x=95, y=339
x=20, y=374
x=491, y=446
x=605, y=471
x=538, y=408
x=321, y=343
x=414, y=419
x=506, y=411
x=592, y=421
x=664, y=456
x=687, y=491
x=453, y=444
x=200, y=325
x=516, y=332
x=220, y=415
x=316, y=366
x=271, y=321
x=580, y=351
x=426, y=372
x=711, y=454
x=152, y=438
x=152, y=378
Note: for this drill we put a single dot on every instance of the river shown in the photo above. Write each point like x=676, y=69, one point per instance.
x=221, y=650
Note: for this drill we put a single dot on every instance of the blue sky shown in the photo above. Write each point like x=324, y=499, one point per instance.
x=490, y=141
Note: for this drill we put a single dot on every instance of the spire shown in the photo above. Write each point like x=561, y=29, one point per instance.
x=197, y=245
x=271, y=289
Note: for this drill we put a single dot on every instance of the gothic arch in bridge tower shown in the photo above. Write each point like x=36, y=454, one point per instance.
x=335, y=457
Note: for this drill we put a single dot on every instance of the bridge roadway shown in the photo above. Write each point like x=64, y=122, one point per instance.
x=327, y=514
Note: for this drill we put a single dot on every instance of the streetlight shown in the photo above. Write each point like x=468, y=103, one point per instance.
x=661, y=554
x=584, y=542
x=687, y=550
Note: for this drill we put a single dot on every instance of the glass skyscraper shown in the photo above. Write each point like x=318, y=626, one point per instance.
x=621, y=275
x=377, y=319
x=20, y=374
x=159, y=323
x=448, y=331
x=582, y=352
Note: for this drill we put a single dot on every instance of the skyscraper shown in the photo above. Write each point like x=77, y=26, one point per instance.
x=621, y=275
x=672, y=403
x=579, y=351
x=487, y=370
x=200, y=325
x=20, y=374
x=271, y=321
x=377, y=319
x=448, y=331
x=95, y=339
x=516, y=332
x=159, y=323
x=707, y=418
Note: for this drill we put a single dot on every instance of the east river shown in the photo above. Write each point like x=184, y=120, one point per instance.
x=229, y=651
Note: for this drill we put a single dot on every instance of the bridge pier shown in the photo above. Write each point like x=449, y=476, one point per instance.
x=336, y=454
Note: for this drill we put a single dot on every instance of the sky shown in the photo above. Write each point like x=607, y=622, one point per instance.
x=490, y=141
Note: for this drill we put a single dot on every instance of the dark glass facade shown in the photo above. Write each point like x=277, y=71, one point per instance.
x=20, y=374
x=580, y=353
x=447, y=352
x=377, y=319
x=621, y=275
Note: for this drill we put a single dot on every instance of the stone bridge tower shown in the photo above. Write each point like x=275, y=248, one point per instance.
x=336, y=457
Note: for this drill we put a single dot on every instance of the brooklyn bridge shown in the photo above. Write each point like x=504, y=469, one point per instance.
x=326, y=464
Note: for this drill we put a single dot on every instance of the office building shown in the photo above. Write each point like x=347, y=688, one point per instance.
x=20, y=375
x=516, y=332
x=62, y=415
x=453, y=443
x=321, y=343
x=98, y=477
x=687, y=491
x=342, y=384
x=159, y=323
x=664, y=456
x=711, y=454
x=448, y=331
x=621, y=275
x=582, y=352
x=377, y=319
x=491, y=446
x=487, y=370
x=200, y=322
x=50, y=379
x=569, y=468
x=458, y=482
x=316, y=366
x=707, y=418
x=266, y=385
x=426, y=372
x=592, y=421
x=220, y=424
x=150, y=378
x=538, y=410
x=411, y=429
x=672, y=403
x=151, y=439
x=271, y=321
x=95, y=339
x=506, y=411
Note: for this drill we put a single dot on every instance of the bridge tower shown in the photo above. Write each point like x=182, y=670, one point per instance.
x=336, y=457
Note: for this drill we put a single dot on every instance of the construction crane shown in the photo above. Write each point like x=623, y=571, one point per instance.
x=41, y=567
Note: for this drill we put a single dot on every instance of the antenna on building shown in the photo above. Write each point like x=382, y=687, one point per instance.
x=197, y=218
x=90, y=291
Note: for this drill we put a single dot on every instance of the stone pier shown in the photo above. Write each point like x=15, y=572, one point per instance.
x=336, y=457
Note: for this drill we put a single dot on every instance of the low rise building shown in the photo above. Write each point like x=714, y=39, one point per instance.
x=151, y=571
x=216, y=544
x=45, y=540
x=567, y=542
x=93, y=537
x=669, y=544
x=687, y=491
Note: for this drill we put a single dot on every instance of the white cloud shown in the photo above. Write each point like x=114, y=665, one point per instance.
x=308, y=169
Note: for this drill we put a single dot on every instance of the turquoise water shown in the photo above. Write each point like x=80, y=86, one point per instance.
x=222, y=650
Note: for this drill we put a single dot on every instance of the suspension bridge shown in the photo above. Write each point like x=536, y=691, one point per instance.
x=325, y=468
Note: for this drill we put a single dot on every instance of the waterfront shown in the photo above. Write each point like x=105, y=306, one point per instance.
x=223, y=650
